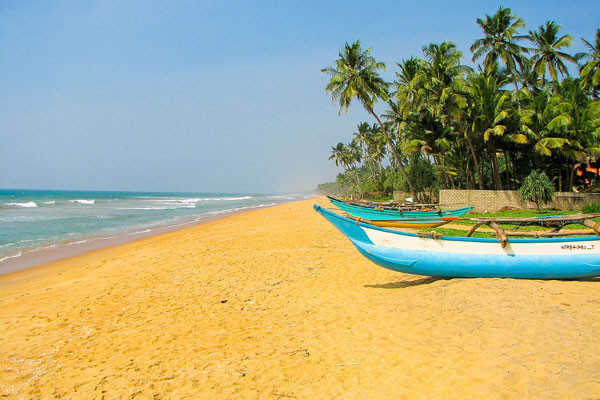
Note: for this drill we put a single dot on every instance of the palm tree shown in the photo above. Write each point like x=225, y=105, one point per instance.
x=465, y=123
x=362, y=138
x=407, y=84
x=547, y=51
x=339, y=153
x=440, y=81
x=442, y=78
x=348, y=156
x=556, y=126
x=590, y=71
x=526, y=76
x=490, y=107
x=354, y=158
x=541, y=120
x=362, y=135
x=582, y=116
x=500, y=33
x=376, y=145
x=356, y=76
x=372, y=142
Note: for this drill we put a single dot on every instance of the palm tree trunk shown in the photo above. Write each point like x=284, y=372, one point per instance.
x=357, y=179
x=494, y=161
x=560, y=180
x=506, y=172
x=403, y=172
x=395, y=154
x=468, y=176
x=517, y=93
x=513, y=170
x=475, y=160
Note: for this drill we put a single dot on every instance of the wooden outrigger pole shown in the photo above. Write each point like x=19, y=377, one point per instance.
x=556, y=222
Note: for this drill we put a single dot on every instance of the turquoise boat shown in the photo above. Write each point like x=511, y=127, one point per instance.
x=376, y=214
x=468, y=257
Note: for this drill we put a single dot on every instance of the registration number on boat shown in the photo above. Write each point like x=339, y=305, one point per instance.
x=577, y=247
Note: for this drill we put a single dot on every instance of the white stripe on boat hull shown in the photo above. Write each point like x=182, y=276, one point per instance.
x=387, y=239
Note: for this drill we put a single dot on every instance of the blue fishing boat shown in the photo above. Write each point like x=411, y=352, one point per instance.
x=383, y=214
x=446, y=256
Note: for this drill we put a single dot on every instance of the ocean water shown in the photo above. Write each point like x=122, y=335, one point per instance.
x=31, y=220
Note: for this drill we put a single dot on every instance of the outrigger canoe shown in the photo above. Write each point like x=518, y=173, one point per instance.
x=416, y=223
x=468, y=257
x=413, y=223
x=392, y=205
x=376, y=214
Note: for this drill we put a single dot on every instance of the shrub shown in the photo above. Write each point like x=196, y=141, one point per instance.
x=591, y=208
x=537, y=188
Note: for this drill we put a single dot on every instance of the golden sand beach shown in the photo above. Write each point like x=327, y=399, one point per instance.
x=276, y=304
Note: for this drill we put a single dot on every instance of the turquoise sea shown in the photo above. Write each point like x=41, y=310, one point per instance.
x=31, y=220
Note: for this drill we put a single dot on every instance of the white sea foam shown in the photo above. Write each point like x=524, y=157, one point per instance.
x=77, y=242
x=138, y=232
x=198, y=199
x=11, y=256
x=83, y=201
x=174, y=207
x=225, y=198
x=192, y=202
x=42, y=248
x=27, y=204
x=241, y=208
x=51, y=202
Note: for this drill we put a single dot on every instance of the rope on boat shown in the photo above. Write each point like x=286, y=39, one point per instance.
x=429, y=235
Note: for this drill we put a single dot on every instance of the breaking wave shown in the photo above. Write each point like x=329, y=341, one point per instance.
x=9, y=257
x=83, y=201
x=27, y=204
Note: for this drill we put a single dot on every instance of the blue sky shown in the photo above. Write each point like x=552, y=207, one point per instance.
x=205, y=95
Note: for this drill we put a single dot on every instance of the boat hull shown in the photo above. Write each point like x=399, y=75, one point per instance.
x=552, y=258
x=408, y=224
x=375, y=214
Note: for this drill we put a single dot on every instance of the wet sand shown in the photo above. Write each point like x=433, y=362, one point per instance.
x=29, y=258
x=276, y=304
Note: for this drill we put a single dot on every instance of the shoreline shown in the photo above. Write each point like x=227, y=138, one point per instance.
x=36, y=257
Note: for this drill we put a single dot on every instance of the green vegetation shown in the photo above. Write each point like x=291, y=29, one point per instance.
x=466, y=222
x=525, y=213
x=459, y=232
x=591, y=208
x=537, y=188
x=448, y=125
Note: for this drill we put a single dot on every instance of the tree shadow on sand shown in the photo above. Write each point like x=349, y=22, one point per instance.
x=405, y=284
